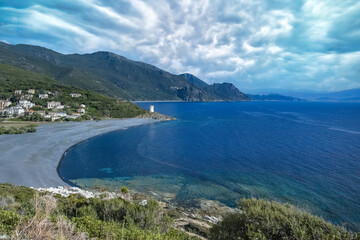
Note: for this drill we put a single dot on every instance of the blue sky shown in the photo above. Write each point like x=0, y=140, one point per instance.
x=255, y=44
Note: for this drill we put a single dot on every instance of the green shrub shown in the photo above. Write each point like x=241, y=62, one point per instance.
x=8, y=221
x=19, y=193
x=124, y=190
x=129, y=231
x=261, y=219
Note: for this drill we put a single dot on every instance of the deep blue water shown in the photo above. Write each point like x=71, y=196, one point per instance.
x=305, y=153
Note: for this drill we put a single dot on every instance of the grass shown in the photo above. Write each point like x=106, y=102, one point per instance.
x=20, y=123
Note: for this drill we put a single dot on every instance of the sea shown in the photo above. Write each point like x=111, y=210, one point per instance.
x=303, y=153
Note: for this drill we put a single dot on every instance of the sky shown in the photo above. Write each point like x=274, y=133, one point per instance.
x=255, y=44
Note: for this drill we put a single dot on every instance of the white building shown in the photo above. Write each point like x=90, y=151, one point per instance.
x=60, y=107
x=51, y=105
x=27, y=97
x=26, y=104
x=43, y=96
x=75, y=95
x=52, y=117
x=61, y=114
x=14, y=111
x=73, y=116
x=82, y=106
x=4, y=104
x=151, y=108
x=80, y=110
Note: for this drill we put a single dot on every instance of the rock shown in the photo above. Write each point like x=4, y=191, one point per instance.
x=67, y=191
x=156, y=116
x=143, y=203
x=162, y=204
x=211, y=219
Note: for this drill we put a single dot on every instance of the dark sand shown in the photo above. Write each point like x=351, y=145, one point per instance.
x=31, y=159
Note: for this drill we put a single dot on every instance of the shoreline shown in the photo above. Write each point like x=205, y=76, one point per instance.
x=33, y=159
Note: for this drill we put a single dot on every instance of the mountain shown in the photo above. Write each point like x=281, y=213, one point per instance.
x=194, y=80
x=107, y=73
x=351, y=95
x=214, y=92
x=273, y=97
x=226, y=92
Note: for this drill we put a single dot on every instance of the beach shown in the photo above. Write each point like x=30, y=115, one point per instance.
x=32, y=159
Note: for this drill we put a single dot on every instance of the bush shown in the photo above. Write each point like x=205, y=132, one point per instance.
x=8, y=221
x=261, y=219
x=124, y=190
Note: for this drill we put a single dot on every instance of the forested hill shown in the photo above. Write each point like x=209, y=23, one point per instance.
x=97, y=105
x=107, y=73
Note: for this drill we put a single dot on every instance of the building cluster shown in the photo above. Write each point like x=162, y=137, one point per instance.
x=24, y=106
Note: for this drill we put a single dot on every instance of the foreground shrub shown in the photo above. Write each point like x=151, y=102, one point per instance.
x=8, y=221
x=119, y=219
x=124, y=190
x=115, y=230
x=261, y=219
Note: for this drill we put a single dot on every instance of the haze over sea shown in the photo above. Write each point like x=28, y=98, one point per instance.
x=304, y=153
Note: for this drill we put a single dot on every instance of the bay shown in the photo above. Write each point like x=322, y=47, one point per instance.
x=304, y=153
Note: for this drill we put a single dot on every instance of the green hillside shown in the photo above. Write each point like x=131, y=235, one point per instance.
x=97, y=105
x=113, y=75
x=103, y=72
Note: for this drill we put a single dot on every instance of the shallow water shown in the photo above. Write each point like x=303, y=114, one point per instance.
x=304, y=153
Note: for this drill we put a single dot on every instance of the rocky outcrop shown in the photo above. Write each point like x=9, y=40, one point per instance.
x=192, y=94
x=203, y=92
x=156, y=116
x=226, y=92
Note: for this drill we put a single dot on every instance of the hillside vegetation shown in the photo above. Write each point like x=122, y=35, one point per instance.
x=97, y=105
x=28, y=214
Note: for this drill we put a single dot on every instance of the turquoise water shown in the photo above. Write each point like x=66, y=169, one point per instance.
x=304, y=153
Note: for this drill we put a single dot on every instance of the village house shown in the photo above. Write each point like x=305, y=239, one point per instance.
x=30, y=112
x=52, y=117
x=31, y=91
x=72, y=116
x=27, y=97
x=11, y=111
x=82, y=106
x=4, y=104
x=44, y=96
x=80, y=110
x=41, y=113
x=26, y=104
x=60, y=107
x=75, y=95
x=17, y=92
x=62, y=114
x=52, y=104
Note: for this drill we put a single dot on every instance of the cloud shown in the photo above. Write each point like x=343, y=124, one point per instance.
x=310, y=44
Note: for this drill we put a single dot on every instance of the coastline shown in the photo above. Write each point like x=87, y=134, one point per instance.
x=32, y=159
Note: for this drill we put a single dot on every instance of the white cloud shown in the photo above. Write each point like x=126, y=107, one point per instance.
x=252, y=43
